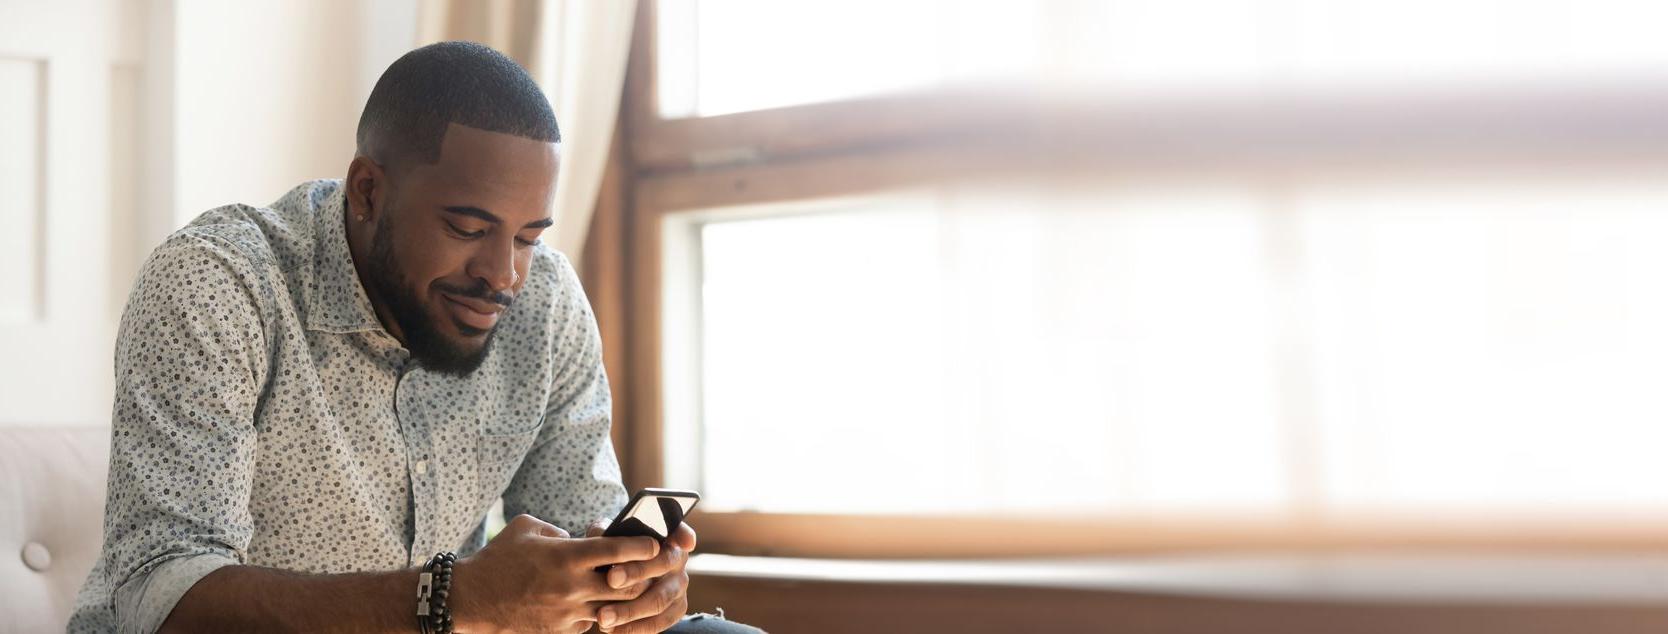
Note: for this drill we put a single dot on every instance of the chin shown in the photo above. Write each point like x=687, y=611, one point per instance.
x=457, y=360
x=467, y=341
x=451, y=348
x=464, y=336
x=471, y=345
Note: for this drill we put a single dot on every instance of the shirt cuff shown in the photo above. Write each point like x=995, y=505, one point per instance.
x=146, y=600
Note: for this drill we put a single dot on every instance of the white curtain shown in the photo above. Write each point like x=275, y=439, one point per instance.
x=577, y=51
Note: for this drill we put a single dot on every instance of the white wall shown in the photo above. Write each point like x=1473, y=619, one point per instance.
x=66, y=68
x=268, y=92
x=129, y=118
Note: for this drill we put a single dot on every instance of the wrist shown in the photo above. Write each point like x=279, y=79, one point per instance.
x=469, y=607
x=434, y=589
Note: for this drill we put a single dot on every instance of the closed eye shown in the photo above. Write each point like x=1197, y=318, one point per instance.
x=467, y=235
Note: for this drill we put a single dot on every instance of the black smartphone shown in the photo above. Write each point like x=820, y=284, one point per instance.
x=653, y=513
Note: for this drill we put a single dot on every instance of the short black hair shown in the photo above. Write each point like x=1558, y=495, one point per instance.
x=465, y=83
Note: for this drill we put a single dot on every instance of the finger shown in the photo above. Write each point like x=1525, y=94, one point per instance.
x=628, y=593
x=591, y=552
x=583, y=624
x=594, y=587
x=528, y=525
x=671, y=558
x=656, y=624
x=666, y=595
x=684, y=536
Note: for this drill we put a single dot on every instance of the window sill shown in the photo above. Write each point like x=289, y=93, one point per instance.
x=1401, y=578
x=1377, y=593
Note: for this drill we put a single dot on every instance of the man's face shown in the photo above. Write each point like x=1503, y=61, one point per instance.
x=452, y=247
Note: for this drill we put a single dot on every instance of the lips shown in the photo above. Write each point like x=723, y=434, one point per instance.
x=477, y=314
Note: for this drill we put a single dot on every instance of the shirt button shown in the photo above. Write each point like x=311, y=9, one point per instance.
x=422, y=467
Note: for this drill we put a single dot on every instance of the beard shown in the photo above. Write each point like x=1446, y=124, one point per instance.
x=431, y=348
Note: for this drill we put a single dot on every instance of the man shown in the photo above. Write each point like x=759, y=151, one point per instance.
x=317, y=399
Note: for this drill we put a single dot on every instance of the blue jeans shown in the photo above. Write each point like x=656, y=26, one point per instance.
x=711, y=624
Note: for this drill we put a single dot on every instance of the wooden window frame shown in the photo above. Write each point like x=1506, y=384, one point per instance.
x=663, y=166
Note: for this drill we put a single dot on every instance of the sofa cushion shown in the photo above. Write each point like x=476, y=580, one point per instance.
x=52, y=483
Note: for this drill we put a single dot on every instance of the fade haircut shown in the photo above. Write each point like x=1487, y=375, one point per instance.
x=465, y=83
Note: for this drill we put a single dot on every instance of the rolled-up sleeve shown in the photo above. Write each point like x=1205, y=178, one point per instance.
x=571, y=476
x=190, y=360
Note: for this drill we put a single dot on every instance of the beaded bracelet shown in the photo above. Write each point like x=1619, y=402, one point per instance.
x=434, y=585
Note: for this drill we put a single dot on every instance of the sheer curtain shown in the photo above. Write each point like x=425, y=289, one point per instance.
x=577, y=51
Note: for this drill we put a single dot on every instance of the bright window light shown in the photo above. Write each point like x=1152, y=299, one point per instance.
x=1490, y=344
x=723, y=56
x=960, y=351
x=1314, y=348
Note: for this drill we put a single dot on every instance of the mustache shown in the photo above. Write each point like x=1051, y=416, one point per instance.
x=478, y=290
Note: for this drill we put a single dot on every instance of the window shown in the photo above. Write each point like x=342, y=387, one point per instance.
x=1133, y=350
x=740, y=55
x=1276, y=273
x=725, y=56
x=969, y=351
x=1495, y=345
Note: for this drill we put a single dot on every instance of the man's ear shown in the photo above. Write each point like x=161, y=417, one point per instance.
x=367, y=187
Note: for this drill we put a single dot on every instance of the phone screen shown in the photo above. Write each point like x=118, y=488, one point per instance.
x=653, y=513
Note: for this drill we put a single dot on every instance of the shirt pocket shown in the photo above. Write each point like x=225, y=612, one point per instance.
x=497, y=457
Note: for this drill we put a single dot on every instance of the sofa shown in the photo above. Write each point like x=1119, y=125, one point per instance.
x=52, y=483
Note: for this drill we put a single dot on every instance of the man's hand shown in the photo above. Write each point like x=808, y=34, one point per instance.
x=533, y=577
x=662, y=587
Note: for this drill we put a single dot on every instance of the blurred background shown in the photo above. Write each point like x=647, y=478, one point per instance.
x=1198, y=315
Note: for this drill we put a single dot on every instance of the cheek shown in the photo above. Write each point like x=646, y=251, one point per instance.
x=431, y=258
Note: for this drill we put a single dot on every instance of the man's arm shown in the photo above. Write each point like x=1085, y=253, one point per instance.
x=570, y=477
x=190, y=365
x=251, y=598
x=190, y=358
x=530, y=578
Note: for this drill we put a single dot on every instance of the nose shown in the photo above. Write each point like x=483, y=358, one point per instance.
x=495, y=265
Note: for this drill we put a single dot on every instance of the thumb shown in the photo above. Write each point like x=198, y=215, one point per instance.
x=525, y=523
x=596, y=528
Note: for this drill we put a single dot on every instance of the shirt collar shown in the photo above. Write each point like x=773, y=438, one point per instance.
x=338, y=303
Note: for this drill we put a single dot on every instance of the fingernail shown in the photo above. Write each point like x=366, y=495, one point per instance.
x=606, y=617
x=617, y=578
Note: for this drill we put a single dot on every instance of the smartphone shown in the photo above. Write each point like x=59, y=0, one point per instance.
x=653, y=513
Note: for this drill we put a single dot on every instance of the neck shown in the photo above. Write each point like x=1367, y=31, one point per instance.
x=360, y=237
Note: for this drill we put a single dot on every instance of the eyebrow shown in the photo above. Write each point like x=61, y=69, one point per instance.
x=477, y=212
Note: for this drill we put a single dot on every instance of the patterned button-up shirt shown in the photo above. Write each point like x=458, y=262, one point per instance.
x=264, y=417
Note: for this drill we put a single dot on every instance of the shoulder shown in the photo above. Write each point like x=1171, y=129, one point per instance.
x=558, y=291
x=250, y=247
x=551, y=306
x=215, y=249
x=281, y=234
x=552, y=272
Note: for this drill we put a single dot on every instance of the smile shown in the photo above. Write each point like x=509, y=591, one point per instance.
x=474, y=313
